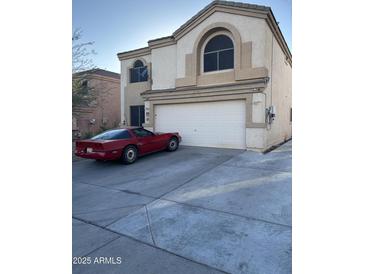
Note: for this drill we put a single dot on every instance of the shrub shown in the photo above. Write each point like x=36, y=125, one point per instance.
x=88, y=135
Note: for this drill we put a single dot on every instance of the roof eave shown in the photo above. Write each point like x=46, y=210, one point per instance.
x=134, y=53
x=259, y=11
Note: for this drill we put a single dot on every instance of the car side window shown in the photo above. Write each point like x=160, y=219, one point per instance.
x=140, y=132
x=122, y=135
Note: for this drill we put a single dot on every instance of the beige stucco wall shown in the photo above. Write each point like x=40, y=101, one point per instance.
x=251, y=29
x=164, y=67
x=255, y=138
x=130, y=92
x=279, y=91
x=258, y=108
x=105, y=110
x=168, y=64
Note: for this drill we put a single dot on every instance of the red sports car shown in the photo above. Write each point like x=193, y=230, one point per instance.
x=126, y=144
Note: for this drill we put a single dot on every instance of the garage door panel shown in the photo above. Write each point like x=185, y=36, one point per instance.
x=210, y=124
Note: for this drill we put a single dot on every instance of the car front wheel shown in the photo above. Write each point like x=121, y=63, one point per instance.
x=129, y=155
x=173, y=144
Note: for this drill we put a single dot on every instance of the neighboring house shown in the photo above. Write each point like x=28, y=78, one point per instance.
x=104, y=112
x=218, y=80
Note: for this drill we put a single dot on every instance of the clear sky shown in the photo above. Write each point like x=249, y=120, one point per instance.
x=120, y=25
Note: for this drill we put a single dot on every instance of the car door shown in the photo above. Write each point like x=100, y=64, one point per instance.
x=147, y=141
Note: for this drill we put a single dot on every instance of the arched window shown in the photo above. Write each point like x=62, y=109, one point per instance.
x=138, y=64
x=218, y=53
x=139, y=72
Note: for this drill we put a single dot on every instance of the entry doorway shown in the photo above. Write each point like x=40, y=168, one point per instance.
x=137, y=115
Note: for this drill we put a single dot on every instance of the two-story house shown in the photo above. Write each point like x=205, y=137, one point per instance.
x=223, y=79
x=104, y=112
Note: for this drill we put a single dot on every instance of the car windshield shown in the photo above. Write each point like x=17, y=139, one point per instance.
x=112, y=135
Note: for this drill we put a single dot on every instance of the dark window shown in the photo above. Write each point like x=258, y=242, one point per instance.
x=138, y=64
x=218, y=54
x=138, y=73
x=137, y=115
x=113, y=135
x=291, y=115
x=225, y=59
x=219, y=42
x=124, y=134
x=210, y=61
x=140, y=132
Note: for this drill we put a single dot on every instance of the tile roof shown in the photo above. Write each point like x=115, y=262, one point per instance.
x=100, y=72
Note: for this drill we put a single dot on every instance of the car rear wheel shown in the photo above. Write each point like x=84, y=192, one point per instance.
x=129, y=155
x=173, y=144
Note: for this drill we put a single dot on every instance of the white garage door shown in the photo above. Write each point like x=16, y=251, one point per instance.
x=208, y=124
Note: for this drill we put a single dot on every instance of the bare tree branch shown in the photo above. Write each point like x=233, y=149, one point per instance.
x=81, y=53
x=82, y=94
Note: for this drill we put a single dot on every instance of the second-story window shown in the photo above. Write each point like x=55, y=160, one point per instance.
x=218, y=54
x=139, y=72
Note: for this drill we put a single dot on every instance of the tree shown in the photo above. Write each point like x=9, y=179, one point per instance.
x=82, y=94
x=81, y=52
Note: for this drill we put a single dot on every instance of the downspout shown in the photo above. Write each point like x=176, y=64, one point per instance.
x=268, y=125
x=272, y=58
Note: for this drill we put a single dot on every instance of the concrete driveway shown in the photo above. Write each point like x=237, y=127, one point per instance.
x=196, y=210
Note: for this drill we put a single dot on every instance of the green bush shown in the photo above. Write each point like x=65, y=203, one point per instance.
x=88, y=135
x=103, y=128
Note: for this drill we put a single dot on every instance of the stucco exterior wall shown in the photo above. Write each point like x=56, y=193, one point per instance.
x=130, y=92
x=269, y=37
x=251, y=29
x=262, y=76
x=164, y=67
x=106, y=109
x=258, y=108
x=279, y=90
x=255, y=138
